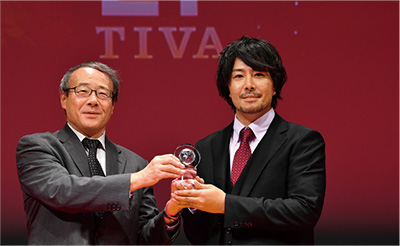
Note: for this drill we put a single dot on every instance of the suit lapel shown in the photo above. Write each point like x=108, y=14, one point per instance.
x=77, y=152
x=266, y=149
x=113, y=164
x=75, y=148
x=220, y=144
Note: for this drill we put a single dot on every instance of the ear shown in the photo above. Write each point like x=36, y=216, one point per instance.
x=112, y=109
x=229, y=89
x=63, y=100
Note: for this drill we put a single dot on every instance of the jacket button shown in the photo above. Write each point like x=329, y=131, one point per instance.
x=229, y=243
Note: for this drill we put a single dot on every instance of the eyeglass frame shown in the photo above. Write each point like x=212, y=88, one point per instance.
x=91, y=91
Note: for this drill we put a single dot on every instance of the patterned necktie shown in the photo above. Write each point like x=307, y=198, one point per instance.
x=243, y=154
x=94, y=165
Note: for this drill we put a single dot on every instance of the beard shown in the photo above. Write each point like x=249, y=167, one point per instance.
x=253, y=109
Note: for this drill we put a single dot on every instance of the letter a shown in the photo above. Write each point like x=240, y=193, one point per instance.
x=210, y=32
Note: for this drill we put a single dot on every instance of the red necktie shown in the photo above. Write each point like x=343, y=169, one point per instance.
x=243, y=154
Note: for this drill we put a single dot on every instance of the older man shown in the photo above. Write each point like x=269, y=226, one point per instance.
x=81, y=188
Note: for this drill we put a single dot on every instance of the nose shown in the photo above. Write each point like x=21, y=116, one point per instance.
x=249, y=83
x=92, y=99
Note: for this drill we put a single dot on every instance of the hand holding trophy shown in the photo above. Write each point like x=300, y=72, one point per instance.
x=190, y=157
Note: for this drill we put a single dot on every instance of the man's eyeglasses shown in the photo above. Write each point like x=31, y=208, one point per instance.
x=84, y=91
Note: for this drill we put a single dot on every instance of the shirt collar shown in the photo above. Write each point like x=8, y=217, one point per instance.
x=102, y=138
x=259, y=126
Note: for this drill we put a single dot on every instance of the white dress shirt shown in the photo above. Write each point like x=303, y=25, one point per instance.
x=259, y=128
x=101, y=151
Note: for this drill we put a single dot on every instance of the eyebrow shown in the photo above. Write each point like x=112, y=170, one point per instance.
x=82, y=83
x=238, y=70
x=86, y=83
x=242, y=69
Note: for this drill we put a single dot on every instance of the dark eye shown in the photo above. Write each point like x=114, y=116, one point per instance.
x=82, y=90
x=103, y=93
x=259, y=75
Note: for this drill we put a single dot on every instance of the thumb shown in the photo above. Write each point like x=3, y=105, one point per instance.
x=199, y=185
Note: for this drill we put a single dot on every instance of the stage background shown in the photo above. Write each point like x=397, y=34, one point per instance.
x=342, y=60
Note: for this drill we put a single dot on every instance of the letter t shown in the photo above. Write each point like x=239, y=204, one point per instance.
x=108, y=40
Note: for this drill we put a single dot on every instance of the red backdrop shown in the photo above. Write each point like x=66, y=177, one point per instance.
x=342, y=60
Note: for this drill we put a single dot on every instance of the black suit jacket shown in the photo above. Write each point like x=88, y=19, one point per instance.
x=277, y=199
x=60, y=197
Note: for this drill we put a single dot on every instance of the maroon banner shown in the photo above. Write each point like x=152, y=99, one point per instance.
x=342, y=60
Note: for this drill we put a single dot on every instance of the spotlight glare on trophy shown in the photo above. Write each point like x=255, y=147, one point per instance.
x=190, y=157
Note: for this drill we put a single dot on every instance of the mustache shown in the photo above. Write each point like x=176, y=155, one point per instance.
x=250, y=94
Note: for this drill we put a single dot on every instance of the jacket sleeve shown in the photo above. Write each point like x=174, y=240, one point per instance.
x=42, y=172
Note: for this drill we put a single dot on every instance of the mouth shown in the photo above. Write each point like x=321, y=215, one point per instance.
x=250, y=95
x=91, y=114
x=250, y=98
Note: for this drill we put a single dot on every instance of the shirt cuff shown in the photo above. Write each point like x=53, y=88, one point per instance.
x=174, y=226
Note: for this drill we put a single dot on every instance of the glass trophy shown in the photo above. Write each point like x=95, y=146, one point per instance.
x=190, y=157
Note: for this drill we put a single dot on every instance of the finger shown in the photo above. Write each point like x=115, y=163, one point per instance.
x=173, y=160
x=175, y=185
x=189, y=185
x=159, y=175
x=187, y=193
x=198, y=185
x=168, y=160
x=200, y=180
x=183, y=201
x=183, y=185
x=173, y=157
x=165, y=165
x=190, y=173
x=172, y=169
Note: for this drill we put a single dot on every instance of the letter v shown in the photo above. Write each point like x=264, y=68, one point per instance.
x=167, y=31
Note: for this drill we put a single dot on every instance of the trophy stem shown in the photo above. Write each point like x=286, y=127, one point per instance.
x=190, y=173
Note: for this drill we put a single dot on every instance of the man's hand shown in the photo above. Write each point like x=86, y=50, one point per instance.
x=161, y=167
x=173, y=206
x=203, y=197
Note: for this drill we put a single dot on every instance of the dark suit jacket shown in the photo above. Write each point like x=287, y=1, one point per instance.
x=60, y=197
x=277, y=199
